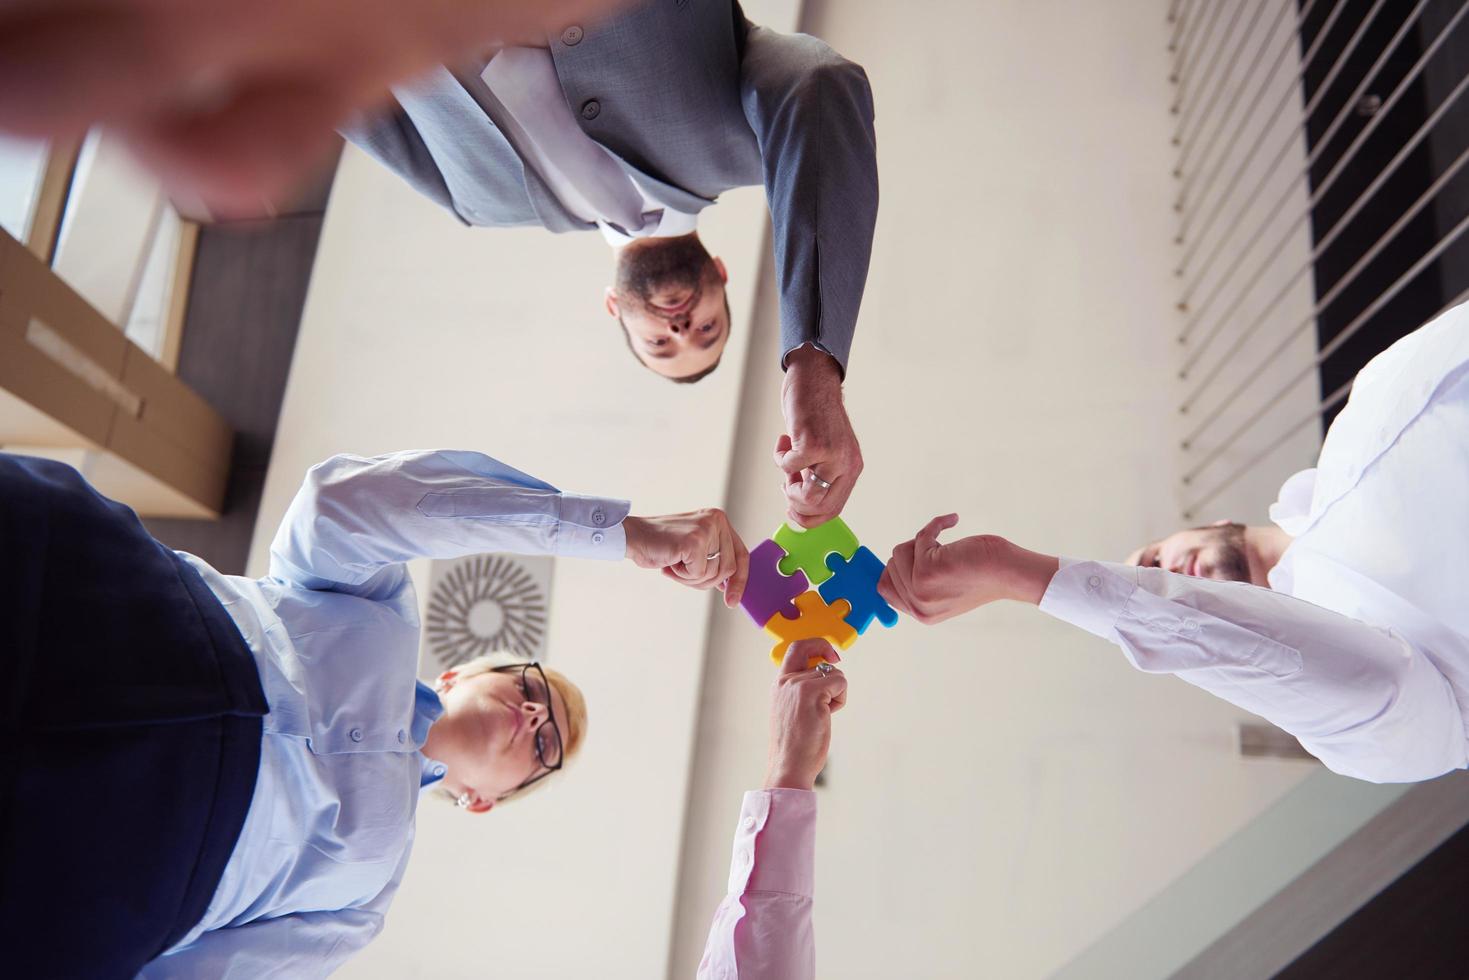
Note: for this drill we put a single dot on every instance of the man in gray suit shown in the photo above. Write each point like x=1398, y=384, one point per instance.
x=632, y=127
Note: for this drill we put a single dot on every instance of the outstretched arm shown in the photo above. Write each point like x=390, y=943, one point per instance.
x=356, y=521
x=762, y=929
x=1365, y=701
x=811, y=110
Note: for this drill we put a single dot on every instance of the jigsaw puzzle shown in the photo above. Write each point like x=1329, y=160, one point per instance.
x=779, y=594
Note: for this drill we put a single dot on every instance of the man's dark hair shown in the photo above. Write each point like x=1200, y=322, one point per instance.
x=687, y=379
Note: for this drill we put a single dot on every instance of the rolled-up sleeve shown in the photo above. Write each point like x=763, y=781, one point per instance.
x=762, y=929
x=1365, y=701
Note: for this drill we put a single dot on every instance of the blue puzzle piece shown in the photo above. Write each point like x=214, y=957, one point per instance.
x=856, y=581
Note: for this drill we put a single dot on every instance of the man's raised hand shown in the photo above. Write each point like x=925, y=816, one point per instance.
x=818, y=456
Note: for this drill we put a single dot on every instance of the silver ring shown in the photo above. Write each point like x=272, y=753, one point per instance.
x=824, y=668
x=819, y=481
x=711, y=557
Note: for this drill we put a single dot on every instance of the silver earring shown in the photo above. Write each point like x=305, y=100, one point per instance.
x=463, y=801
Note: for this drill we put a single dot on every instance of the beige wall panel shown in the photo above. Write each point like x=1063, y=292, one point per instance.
x=88, y=387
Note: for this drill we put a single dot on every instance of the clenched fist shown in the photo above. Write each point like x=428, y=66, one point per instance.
x=699, y=549
x=818, y=455
x=801, y=707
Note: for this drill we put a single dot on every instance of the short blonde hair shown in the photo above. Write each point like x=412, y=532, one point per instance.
x=573, y=726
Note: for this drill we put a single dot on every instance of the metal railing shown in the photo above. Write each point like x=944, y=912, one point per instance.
x=1259, y=155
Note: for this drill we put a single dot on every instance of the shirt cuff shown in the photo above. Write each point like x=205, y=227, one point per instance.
x=1090, y=594
x=785, y=358
x=591, y=527
x=775, y=843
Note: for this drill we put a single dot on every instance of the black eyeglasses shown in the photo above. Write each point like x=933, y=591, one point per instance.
x=535, y=689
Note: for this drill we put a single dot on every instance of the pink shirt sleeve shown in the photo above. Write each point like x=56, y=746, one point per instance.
x=762, y=929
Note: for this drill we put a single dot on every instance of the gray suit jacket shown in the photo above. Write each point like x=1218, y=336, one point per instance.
x=692, y=99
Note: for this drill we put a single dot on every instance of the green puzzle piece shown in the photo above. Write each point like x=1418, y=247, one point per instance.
x=807, y=550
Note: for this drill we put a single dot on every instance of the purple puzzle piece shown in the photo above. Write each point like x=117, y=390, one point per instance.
x=856, y=581
x=767, y=591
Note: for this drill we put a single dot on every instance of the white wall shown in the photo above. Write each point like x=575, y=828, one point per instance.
x=1003, y=790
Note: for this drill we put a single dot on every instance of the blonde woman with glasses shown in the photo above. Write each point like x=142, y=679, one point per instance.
x=219, y=775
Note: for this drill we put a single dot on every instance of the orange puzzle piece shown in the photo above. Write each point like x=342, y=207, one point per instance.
x=817, y=621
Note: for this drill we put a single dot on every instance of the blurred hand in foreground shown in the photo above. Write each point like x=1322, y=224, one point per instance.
x=233, y=103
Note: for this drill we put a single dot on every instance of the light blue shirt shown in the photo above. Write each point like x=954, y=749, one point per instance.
x=334, y=631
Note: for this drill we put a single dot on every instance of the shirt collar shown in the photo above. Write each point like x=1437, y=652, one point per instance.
x=663, y=223
x=1291, y=511
x=1388, y=395
x=427, y=709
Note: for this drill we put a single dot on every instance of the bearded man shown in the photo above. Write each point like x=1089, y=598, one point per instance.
x=1345, y=622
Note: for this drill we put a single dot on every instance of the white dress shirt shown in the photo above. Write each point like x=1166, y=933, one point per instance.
x=1362, y=648
x=586, y=178
x=334, y=631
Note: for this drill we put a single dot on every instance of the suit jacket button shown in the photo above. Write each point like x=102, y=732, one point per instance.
x=572, y=36
x=591, y=109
